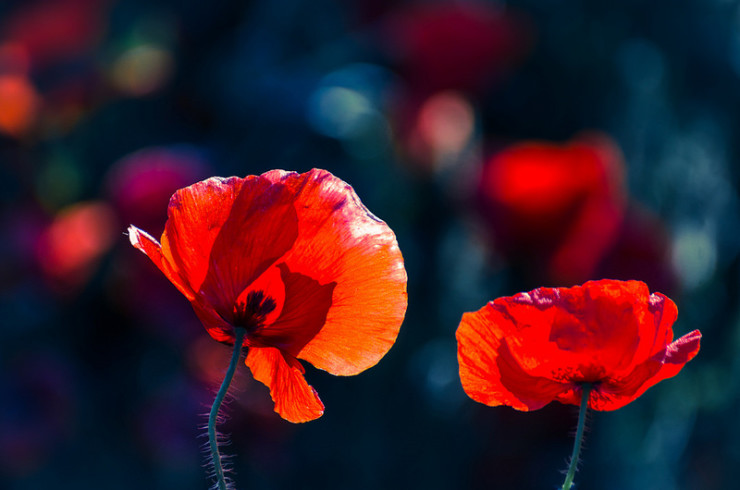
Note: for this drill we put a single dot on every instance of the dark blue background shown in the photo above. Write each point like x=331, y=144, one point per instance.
x=102, y=385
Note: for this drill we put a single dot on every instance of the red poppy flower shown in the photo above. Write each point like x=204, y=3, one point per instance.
x=558, y=204
x=298, y=262
x=527, y=350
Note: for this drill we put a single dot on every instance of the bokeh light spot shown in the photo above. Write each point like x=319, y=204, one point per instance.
x=446, y=122
x=70, y=248
x=19, y=104
x=641, y=64
x=694, y=256
x=338, y=112
x=142, y=70
x=59, y=182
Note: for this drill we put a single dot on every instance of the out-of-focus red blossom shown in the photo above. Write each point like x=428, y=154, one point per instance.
x=447, y=53
x=68, y=251
x=456, y=45
x=14, y=59
x=557, y=207
x=39, y=35
x=140, y=184
x=50, y=31
x=19, y=104
x=533, y=348
x=297, y=261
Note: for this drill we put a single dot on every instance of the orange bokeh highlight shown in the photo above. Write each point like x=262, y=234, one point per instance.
x=19, y=104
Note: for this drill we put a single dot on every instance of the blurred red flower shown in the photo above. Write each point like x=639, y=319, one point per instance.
x=456, y=46
x=447, y=54
x=141, y=183
x=555, y=207
x=530, y=349
x=55, y=31
x=297, y=261
x=19, y=104
x=71, y=247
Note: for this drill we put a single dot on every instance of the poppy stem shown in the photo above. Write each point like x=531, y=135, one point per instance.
x=585, y=395
x=213, y=416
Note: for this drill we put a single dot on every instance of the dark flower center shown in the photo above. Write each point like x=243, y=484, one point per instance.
x=251, y=314
x=583, y=374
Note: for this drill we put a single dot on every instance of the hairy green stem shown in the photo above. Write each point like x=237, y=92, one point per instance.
x=585, y=395
x=215, y=456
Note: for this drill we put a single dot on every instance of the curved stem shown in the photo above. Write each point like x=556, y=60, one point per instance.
x=215, y=456
x=585, y=395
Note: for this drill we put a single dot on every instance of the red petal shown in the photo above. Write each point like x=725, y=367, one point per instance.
x=223, y=233
x=295, y=400
x=656, y=331
x=271, y=285
x=144, y=242
x=490, y=374
x=261, y=227
x=598, y=324
x=195, y=217
x=212, y=321
x=303, y=314
x=664, y=365
x=341, y=242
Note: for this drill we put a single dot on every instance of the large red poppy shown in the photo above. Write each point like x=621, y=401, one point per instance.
x=532, y=348
x=297, y=261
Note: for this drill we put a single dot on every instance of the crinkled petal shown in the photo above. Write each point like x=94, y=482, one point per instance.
x=656, y=331
x=597, y=324
x=295, y=400
x=614, y=394
x=340, y=241
x=490, y=374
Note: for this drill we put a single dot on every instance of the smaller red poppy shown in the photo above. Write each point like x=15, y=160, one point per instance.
x=533, y=348
x=298, y=262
